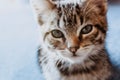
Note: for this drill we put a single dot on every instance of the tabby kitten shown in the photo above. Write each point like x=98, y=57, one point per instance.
x=73, y=34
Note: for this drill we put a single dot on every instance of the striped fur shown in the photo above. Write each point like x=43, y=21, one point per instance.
x=74, y=56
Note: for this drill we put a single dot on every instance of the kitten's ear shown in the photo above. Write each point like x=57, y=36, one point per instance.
x=99, y=6
x=41, y=9
x=102, y=6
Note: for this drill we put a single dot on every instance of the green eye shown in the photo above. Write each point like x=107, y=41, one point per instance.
x=57, y=33
x=87, y=29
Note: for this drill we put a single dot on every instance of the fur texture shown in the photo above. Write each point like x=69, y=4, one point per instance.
x=73, y=34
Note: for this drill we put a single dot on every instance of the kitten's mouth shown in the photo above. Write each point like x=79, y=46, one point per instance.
x=74, y=55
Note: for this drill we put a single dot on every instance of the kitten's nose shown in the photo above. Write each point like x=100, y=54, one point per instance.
x=73, y=50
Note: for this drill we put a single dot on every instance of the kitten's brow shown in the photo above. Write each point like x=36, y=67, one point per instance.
x=100, y=28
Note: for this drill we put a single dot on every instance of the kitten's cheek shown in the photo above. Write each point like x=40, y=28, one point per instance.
x=61, y=47
x=48, y=44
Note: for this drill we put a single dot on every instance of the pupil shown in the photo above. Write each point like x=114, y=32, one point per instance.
x=57, y=33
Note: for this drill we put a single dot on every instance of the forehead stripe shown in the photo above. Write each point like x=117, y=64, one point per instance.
x=81, y=19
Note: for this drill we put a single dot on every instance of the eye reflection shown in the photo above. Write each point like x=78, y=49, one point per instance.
x=57, y=34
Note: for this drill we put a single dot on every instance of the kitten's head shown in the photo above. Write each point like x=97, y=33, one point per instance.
x=74, y=29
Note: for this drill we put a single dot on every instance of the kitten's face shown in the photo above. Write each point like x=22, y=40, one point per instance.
x=75, y=31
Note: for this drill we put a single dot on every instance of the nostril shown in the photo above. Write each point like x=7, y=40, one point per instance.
x=73, y=49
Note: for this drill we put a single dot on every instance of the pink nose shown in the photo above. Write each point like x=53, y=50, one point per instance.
x=73, y=50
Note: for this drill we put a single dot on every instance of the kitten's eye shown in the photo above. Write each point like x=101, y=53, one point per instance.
x=87, y=29
x=57, y=33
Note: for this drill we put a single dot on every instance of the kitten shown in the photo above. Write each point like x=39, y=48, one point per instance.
x=73, y=34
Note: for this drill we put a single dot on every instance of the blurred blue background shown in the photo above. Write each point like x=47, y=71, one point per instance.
x=19, y=40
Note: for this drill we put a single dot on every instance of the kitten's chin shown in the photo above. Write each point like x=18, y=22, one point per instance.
x=76, y=59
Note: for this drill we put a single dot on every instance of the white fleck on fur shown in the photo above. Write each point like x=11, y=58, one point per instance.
x=41, y=6
x=69, y=1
